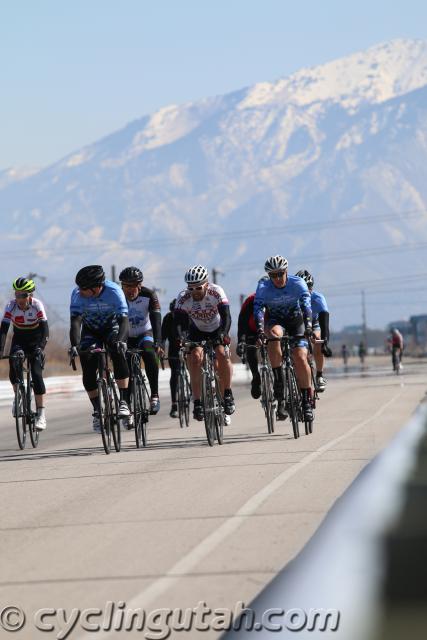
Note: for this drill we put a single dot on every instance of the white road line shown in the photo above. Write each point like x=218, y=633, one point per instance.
x=213, y=540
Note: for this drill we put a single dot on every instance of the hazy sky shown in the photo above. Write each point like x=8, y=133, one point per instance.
x=72, y=71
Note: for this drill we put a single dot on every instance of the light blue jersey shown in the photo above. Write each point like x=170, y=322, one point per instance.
x=100, y=313
x=281, y=304
x=318, y=304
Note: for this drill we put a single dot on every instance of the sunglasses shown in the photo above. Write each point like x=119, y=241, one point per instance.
x=277, y=274
x=199, y=288
x=22, y=296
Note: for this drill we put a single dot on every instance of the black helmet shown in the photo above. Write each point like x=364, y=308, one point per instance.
x=305, y=275
x=172, y=305
x=90, y=276
x=131, y=274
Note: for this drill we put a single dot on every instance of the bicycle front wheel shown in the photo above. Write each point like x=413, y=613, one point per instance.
x=292, y=401
x=187, y=388
x=180, y=392
x=34, y=433
x=208, y=408
x=104, y=415
x=143, y=412
x=115, y=420
x=20, y=415
x=219, y=413
x=267, y=399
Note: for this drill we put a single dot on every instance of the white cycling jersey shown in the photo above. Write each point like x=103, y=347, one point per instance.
x=203, y=313
x=24, y=319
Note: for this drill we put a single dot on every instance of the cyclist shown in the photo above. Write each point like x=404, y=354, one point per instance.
x=344, y=354
x=320, y=312
x=30, y=335
x=362, y=352
x=168, y=334
x=287, y=300
x=247, y=331
x=99, y=315
x=144, y=326
x=396, y=343
x=204, y=308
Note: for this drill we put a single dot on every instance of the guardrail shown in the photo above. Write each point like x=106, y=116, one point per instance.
x=365, y=569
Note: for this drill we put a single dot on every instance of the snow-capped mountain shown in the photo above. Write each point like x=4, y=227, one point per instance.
x=328, y=167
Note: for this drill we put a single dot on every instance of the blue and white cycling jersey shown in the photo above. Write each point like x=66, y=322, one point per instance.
x=282, y=304
x=100, y=313
x=318, y=304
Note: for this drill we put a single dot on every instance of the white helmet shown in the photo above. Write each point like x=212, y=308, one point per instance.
x=196, y=275
x=276, y=263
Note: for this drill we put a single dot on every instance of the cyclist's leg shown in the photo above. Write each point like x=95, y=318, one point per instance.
x=173, y=382
x=121, y=372
x=195, y=361
x=275, y=356
x=15, y=346
x=146, y=344
x=89, y=366
x=319, y=359
x=299, y=347
x=225, y=373
x=252, y=360
x=37, y=363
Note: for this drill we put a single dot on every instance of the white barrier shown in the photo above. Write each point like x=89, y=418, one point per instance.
x=73, y=384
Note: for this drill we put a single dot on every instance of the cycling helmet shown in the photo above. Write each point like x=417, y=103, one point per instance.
x=90, y=276
x=306, y=275
x=196, y=275
x=131, y=274
x=172, y=305
x=24, y=285
x=276, y=263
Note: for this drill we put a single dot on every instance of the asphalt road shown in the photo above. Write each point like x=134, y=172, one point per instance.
x=179, y=522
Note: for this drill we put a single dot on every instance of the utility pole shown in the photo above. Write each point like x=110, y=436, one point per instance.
x=364, y=326
x=242, y=298
x=215, y=274
x=113, y=272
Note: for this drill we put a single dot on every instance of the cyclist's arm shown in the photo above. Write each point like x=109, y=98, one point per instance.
x=44, y=333
x=123, y=322
x=180, y=320
x=164, y=328
x=324, y=325
x=75, y=328
x=224, y=312
x=305, y=305
x=4, y=328
x=155, y=316
x=243, y=321
x=259, y=307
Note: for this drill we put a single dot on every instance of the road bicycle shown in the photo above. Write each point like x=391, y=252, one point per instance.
x=213, y=409
x=139, y=397
x=396, y=356
x=108, y=398
x=25, y=417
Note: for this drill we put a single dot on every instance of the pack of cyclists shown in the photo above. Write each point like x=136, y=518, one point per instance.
x=104, y=314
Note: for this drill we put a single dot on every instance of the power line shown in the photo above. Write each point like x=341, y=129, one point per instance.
x=114, y=245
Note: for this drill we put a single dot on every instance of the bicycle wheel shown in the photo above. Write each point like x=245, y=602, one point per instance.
x=20, y=415
x=292, y=400
x=143, y=413
x=267, y=399
x=31, y=418
x=219, y=413
x=208, y=408
x=114, y=415
x=104, y=415
x=180, y=392
x=187, y=392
